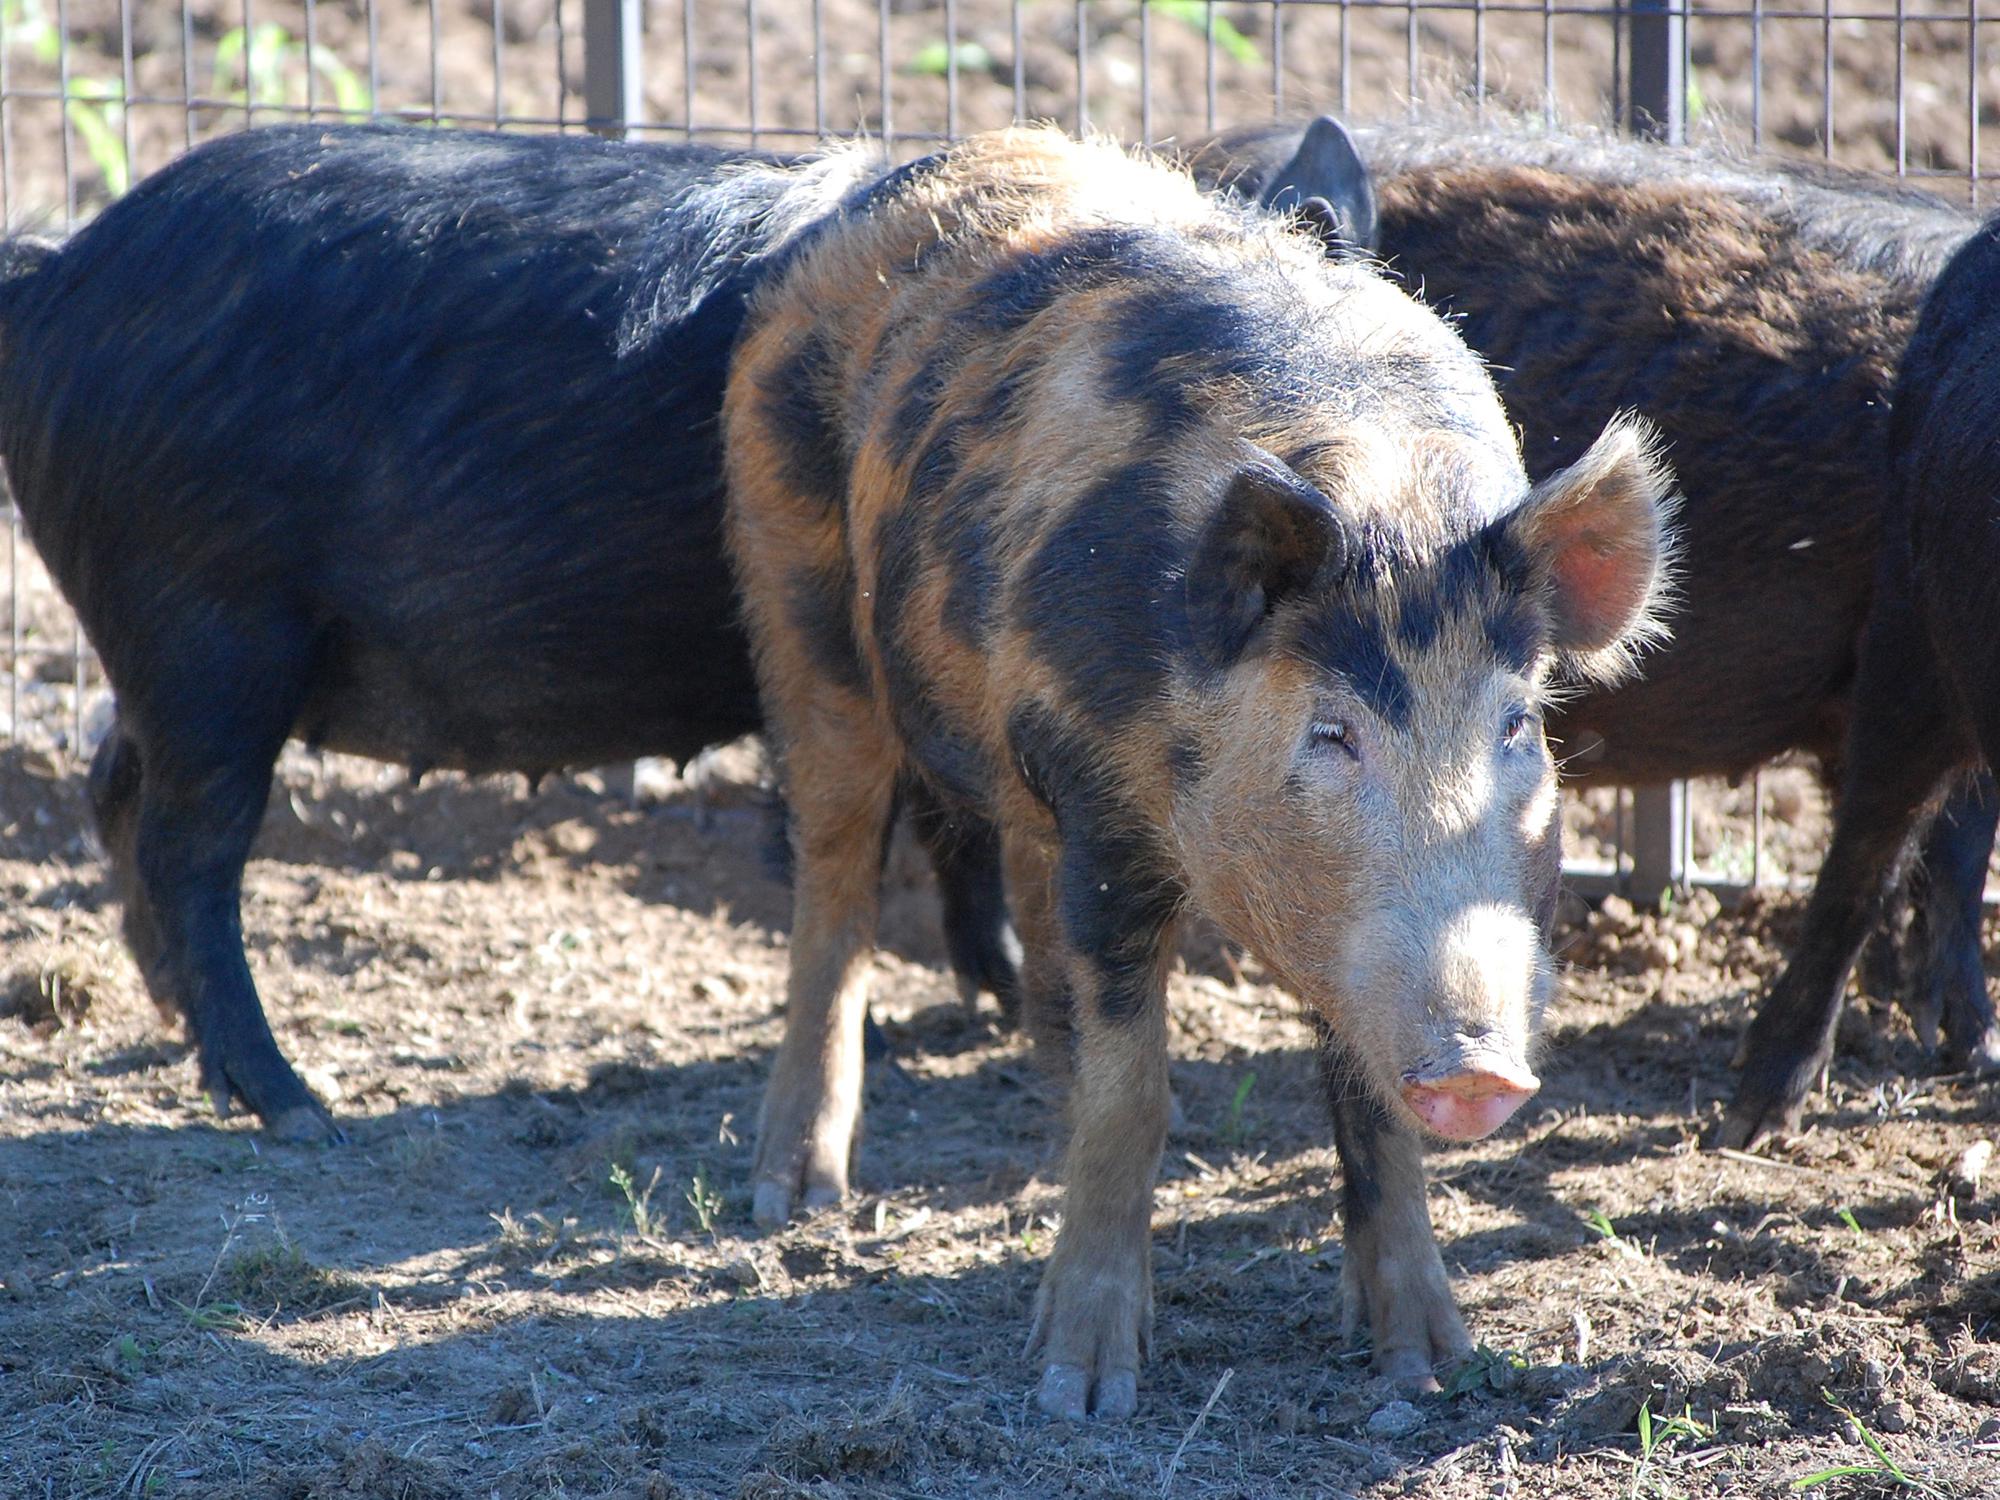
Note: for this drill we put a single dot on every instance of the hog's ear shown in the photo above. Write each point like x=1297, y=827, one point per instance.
x=1266, y=541
x=1599, y=536
x=1328, y=186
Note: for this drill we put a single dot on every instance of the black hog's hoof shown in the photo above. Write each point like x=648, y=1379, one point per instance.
x=271, y=1091
x=1764, y=1109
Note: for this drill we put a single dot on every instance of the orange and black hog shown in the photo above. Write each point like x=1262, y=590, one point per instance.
x=1207, y=568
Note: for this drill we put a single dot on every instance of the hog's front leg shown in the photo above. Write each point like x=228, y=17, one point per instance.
x=1391, y=1273
x=1094, y=1312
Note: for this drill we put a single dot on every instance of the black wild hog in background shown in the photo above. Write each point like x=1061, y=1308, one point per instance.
x=1754, y=314
x=404, y=442
x=1927, y=696
x=1207, y=568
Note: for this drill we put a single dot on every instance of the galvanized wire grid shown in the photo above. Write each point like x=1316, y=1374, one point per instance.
x=91, y=102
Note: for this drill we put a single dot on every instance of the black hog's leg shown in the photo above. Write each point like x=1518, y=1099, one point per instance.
x=1899, y=749
x=1947, y=980
x=965, y=852
x=1391, y=1273
x=178, y=825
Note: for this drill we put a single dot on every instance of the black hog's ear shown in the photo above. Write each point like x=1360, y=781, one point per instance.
x=1328, y=186
x=1266, y=541
x=1599, y=536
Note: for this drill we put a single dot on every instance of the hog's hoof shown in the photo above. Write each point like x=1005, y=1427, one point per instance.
x=306, y=1125
x=286, y=1106
x=1412, y=1317
x=1067, y=1393
x=1092, y=1331
x=1756, y=1117
x=1982, y=1058
x=777, y=1193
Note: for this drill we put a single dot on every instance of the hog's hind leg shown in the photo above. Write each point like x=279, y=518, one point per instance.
x=842, y=787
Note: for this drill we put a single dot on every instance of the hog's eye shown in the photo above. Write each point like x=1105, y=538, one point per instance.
x=1335, y=732
x=1521, y=723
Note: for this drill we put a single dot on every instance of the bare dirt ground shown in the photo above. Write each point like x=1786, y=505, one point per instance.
x=545, y=1019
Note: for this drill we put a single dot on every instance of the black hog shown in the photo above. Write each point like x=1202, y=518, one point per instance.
x=406, y=443
x=1207, y=569
x=1755, y=315
x=1927, y=692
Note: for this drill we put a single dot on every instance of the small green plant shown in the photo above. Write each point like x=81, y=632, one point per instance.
x=1653, y=1439
x=1232, y=1130
x=934, y=59
x=1846, y=1216
x=1487, y=1368
x=638, y=1201
x=1199, y=15
x=704, y=1200
x=267, y=65
x=1884, y=1470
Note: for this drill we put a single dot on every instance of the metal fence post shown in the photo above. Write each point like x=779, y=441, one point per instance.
x=1656, y=82
x=1660, y=854
x=612, y=96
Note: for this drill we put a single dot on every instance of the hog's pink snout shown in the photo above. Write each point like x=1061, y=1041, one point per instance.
x=1468, y=1090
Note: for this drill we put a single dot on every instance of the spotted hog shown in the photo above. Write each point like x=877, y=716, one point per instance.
x=1208, y=571
x=1755, y=313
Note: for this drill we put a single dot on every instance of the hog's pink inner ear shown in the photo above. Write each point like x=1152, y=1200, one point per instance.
x=1265, y=543
x=1598, y=531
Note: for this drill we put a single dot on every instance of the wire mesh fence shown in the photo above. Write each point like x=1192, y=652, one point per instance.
x=94, y=94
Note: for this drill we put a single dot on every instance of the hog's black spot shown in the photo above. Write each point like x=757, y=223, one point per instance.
x=1101, y=599
x=962, y=534
x=1010, y=297
x=1115, y=894
x=1184, y=762
x=822, y=610
x=917, y=404
x=790, y=400
x=1350, y=640
x=950, y=760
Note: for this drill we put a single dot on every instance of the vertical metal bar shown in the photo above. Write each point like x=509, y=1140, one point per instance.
x=14, y=622
x=1145, y=73
x=687, y=62
x=819, y=72
x=1208, y=53
x=1082, y=67
x=1757, y=73
x=62, y=107
x=1656, y=88
x=1973, y=99
x=437, y=89
x=249, y=68
x=312, y=51
x=951, y=68
x=1826, y=80
x=882, y=76
x=1346, y=59
x=1410, y=55
x=750, y=63
x=187, y=72
x=1902, y=97
x=125, y=84
x=611, y=99
x=1549, y=63
x=1020, y=75
x=6, y=147
x=499, y=64
x=1479, y=57
x=1659, y=840
x=1277, y=59
x=374, y=59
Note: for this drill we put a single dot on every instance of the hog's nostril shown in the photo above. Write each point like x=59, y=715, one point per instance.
x=1466, y=1105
